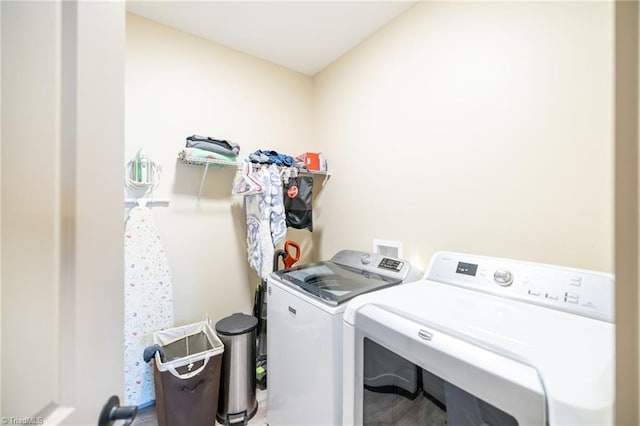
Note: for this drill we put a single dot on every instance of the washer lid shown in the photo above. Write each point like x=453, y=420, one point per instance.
x=333, y=283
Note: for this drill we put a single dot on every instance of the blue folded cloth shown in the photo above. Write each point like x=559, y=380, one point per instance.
x=259, y=157
x=271, y=157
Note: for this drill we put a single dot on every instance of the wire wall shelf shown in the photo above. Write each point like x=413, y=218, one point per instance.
x=238, y=165
x=207, y=161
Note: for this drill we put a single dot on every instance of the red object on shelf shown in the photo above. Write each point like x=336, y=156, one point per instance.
x=312, y=160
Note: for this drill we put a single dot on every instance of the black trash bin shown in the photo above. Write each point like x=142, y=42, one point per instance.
x=188, y=380
x=237, y=400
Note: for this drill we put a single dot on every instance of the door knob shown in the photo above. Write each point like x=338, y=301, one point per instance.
x=112, y=411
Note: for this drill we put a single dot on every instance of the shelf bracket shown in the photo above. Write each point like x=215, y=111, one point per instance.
x=204, y=176
x=326, y=178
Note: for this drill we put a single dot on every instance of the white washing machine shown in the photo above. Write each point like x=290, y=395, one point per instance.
x=495, y=341
x=305, y=305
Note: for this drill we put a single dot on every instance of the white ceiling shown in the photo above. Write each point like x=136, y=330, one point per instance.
x=305, y=36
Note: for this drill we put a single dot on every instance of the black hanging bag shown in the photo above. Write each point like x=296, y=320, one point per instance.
x=297, y=202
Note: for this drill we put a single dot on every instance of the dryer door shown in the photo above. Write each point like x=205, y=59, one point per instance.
x=404, y=372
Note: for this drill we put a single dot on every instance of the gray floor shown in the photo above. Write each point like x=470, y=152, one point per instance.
x=147, y=416
x=390, y=409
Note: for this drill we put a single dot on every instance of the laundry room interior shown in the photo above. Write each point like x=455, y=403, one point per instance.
x=484, y=128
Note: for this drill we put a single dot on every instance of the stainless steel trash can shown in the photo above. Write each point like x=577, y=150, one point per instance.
x=237, y=396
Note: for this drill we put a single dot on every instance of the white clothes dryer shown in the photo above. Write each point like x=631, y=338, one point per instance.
x=305, y=305
x=495, y=341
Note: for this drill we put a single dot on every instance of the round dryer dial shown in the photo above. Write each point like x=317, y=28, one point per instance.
x=503, y=277
x=365, y=259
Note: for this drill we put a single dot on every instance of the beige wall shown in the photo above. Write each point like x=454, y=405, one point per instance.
x=627, y=219
x=62, y=140
x=178, y=85
x=30, y=215
x=476, y=127
x=0, y=216
x=96, y=291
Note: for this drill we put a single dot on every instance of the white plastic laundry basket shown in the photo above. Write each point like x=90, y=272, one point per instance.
x=169, y=336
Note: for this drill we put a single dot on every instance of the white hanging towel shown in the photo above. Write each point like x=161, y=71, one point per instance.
x=148, y=301
x=266, y=225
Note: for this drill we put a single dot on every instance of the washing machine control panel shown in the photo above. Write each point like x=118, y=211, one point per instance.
x=577, y=291
x=387, y=263
x=377, y=263
x=391, y=264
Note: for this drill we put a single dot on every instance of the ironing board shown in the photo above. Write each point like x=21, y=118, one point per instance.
x=148, y=301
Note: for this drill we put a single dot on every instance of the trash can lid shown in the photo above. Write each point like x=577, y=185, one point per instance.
x=235, y=324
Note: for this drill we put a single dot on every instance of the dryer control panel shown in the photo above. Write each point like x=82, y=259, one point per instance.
x=578, y=291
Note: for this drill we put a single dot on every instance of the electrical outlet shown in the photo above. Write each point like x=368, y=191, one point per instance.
x=388, y=248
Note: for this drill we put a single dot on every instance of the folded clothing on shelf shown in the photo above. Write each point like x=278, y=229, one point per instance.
x=197, y=153
x=271, y=157
x=214, y=145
